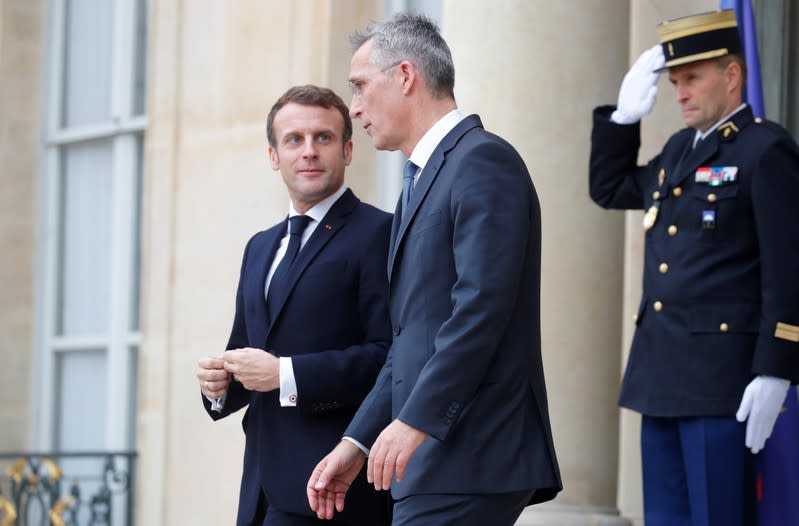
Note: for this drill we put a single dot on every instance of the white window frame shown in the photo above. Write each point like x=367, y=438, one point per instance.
x=124, y=131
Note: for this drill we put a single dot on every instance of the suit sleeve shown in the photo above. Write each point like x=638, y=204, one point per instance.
x=614, y=176
x=374, y=414
x=237, y=396
x=492, y=203
x=337, y=378
x=775, y=200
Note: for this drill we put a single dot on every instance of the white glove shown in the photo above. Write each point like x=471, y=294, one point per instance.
x=639, y=87
x=761, y=402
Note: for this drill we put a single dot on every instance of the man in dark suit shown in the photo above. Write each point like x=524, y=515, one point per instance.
x=457, y=424
x=311, y=329
x=718, y=327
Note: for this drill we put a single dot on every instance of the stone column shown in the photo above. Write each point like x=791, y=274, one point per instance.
x=534, y=70
x=21, y=53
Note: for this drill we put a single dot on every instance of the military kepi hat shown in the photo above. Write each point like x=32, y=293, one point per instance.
x=699, y=37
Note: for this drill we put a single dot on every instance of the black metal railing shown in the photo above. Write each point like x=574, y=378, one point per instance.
x=93, y=488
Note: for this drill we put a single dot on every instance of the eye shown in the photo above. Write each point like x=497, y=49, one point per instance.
x=325, y=137
x=293, y=139
x=356, y=86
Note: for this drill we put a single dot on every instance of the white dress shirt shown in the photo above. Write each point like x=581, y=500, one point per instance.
x=429, y=142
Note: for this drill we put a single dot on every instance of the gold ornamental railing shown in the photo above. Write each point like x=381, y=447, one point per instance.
x=93, y=488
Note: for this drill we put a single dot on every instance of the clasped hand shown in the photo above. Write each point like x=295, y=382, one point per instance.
x=255, y=369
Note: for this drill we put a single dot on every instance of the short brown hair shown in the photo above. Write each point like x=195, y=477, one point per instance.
x=726, y=60
x=310, y=95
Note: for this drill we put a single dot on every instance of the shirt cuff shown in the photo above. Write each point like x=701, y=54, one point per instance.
x=217, y=403
x=288, y=384
x=358, y=444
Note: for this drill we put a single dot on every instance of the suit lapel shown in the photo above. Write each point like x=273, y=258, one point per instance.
x=327, y=228
x=426, y=179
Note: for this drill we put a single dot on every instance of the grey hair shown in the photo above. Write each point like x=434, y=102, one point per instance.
x=417, y=39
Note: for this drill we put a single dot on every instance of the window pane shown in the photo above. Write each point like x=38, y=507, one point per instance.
x=85, y=239
x=81, y=377
x=87, y=62
x=136, y=266
x=140, y=58
x=133, y=373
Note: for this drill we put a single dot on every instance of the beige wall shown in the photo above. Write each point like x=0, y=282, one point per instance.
x=21, y=50
x=215, y=68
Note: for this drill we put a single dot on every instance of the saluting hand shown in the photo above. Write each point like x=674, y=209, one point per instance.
x=256, y=369
x=639, y=87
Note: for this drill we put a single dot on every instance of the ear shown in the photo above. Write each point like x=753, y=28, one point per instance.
x=348, y=153
x=409, y=76
x=734, y=76
x=274, y=160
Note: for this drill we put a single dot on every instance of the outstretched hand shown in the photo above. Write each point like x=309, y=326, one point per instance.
x=332, y=477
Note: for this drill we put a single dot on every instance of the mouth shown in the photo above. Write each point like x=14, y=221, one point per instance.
x=311, y=172
x=367, y=127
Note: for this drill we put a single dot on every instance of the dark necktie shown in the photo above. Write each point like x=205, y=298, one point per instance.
x=278, y=283
x=408, y=174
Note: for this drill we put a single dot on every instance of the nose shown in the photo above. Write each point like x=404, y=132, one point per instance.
x=680, y=92
x=355, y=107
x=309, y=151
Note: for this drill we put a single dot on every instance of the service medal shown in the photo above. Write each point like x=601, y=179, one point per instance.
x=651, y=216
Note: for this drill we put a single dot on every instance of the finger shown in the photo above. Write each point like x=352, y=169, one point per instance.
x=340, y=501
x=312, y=493
x=400, y=465
x=326, y=474
x=750, y=436
x=388, y=468
x=745, y=407
x=370, y=460
x=374, y=472
x=329, y=504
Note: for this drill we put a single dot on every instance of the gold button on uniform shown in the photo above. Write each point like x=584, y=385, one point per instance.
x=677, y=191
x=758, y=120
x=656, y=195
x=724, y=327
x=658, y=306
x=663, y=268
x=711, y=198
x=635, y=318
x=672, y=230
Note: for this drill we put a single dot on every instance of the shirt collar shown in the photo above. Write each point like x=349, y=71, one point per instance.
x=430, y=140
x=318, y=211
x=699, y=135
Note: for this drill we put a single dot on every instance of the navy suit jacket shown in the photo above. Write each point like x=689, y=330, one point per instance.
x=334, y=324
x=465, y=362
x=715, y=291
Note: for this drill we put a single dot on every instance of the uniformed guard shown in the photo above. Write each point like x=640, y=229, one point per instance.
x=717, y=331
